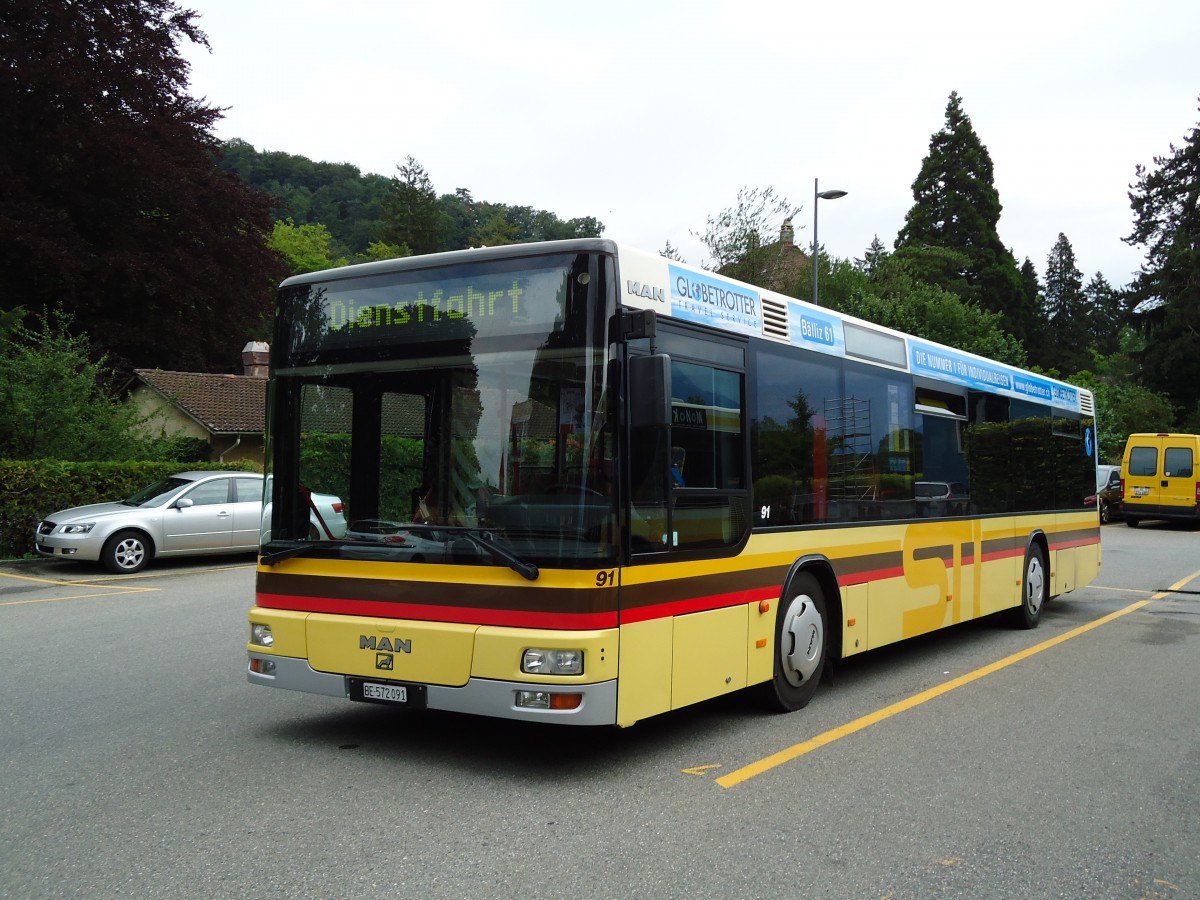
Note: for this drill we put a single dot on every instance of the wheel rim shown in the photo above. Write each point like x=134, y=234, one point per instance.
x=129, y=553
x=802, y=640
x=1035, y=583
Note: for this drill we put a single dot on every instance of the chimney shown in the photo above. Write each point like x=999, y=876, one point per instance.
x=256, y=355
x=786, y=235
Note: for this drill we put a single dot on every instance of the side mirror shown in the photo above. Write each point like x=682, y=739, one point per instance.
x=650, y=391
x=183, y=503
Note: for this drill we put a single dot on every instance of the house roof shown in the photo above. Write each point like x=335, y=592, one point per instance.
x=223, y=404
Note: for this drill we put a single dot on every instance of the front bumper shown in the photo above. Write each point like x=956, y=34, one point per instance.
x=479, y=696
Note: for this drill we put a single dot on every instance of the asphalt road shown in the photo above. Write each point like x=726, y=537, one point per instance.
x=136, y=761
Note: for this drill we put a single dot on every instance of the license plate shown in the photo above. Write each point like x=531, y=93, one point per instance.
x=411, y=695
x=1141, y=492
x=392, y=693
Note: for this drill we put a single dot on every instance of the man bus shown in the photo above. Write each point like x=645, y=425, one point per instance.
x=589, y=485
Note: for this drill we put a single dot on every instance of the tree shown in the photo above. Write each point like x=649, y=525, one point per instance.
x=1037, y=344
x=734, y=237
x=1166, y=209
x=412, y=215
x=307, y=248
x=76, y=419
x=1106, y=314
x=1066, y=309
x=111, y=199
x=956, y=207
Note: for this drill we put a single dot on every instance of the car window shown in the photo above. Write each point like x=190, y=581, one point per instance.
x=209, y=493
x=248, y=489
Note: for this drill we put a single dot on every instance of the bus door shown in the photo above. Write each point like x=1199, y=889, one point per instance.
x=687, y=473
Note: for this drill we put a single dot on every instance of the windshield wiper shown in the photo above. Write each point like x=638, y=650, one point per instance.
x=483, y=539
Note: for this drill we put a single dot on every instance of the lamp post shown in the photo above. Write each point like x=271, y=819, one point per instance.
x=822, y=195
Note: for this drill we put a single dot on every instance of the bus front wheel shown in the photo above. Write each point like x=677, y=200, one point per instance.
x=800, y=646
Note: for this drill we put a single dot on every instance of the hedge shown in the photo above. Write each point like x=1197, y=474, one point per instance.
x=29, y=491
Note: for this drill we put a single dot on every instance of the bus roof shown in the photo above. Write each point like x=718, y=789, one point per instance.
x=681, y=291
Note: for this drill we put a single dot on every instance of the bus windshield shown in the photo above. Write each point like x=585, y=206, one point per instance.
x=460, y=413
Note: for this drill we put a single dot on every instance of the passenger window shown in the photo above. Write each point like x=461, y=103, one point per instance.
x=1177, y=462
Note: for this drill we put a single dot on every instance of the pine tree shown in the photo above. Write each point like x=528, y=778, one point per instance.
x=1106, y=315
x=412, y=215
x=1066, y=309
x=1166, y=208
x=1037, y=343
x=956, y=208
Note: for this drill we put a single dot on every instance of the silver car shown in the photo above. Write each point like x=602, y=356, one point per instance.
x=188, y=514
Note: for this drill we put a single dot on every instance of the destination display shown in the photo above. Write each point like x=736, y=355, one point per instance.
x=402, y=308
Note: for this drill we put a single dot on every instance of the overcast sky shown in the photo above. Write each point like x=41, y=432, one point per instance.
x=651, y=116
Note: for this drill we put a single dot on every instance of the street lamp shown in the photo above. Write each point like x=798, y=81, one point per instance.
x=822, y=195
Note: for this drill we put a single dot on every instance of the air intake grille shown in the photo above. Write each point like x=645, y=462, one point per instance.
x=775, y=319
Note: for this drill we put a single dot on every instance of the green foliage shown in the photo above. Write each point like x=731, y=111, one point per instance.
x=325, y=467
x=52, y=405
x=1123, y=408
x=892, y=297
x=31, y=490
x=1166, y=208
x=335, y=195
x=307, y=248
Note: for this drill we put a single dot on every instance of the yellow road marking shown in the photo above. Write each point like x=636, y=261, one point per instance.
x=114, y=591
x=796, y=750
x=700, y=770
x=102, y=584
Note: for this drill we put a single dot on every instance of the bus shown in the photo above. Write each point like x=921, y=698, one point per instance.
x=588, y=485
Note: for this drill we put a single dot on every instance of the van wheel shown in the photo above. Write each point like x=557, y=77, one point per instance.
x=127, y=552
x=1132, y=521
x=1035, y=589
x=800, y=647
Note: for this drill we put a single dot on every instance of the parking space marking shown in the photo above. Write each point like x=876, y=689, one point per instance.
x=797, y=750
x=114, y=591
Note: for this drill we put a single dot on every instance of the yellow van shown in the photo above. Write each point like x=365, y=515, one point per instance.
x=1159, y=479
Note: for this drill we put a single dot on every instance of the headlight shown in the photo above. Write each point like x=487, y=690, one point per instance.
x=77, y=529
x=552, y=662
x=261, y=634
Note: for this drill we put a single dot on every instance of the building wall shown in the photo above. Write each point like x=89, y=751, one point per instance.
x=164, y=419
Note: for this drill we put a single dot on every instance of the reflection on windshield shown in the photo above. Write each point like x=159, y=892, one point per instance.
x=514, y=451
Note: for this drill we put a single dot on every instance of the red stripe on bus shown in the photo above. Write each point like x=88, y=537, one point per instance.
x=459, y=615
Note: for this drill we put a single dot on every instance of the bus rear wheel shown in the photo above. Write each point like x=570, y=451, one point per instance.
x=800, y=646
x=1035, y=589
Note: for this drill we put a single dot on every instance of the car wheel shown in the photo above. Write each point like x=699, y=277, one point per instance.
x=1132, y=521
x=1035, y=589
x=800, y=647
x=127, y=552
x=1105, y=514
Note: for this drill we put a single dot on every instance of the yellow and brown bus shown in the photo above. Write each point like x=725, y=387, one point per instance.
x=588, y=485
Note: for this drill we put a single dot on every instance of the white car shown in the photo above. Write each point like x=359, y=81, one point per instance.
x=188, y=514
